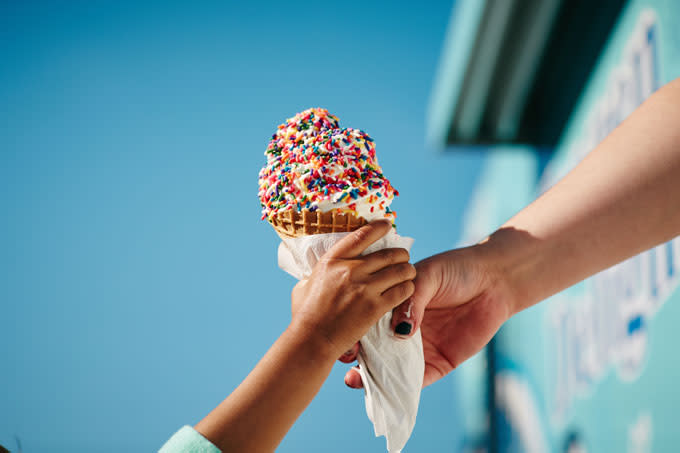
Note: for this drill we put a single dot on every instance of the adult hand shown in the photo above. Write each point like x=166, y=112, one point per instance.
x=459, y=303
x=596, y=216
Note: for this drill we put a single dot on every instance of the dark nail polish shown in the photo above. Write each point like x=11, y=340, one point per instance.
x=404, y=328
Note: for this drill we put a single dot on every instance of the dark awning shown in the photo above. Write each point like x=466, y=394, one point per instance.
x=512, y=71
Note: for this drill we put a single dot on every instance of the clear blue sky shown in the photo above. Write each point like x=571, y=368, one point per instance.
x=138, y=285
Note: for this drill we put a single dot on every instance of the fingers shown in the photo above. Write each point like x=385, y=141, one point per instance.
x=392, y=276
x=375, y=261
x=353, y=379
x=407, y=317
x=398, y=294
x=356, y=242
x=351, y=354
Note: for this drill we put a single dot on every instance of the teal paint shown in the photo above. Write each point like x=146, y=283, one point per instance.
x=596, y=366
x=456, y=53
x=506, y=184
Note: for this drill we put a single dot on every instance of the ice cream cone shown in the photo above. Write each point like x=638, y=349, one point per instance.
x=291, y=224
x=320, y=178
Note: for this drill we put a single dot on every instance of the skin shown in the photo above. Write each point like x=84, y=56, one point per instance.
x=622, y=199
x=345, y=295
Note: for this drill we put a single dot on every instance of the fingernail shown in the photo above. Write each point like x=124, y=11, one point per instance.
x=403, y=328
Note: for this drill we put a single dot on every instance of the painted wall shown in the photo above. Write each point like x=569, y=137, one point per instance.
x=595, y=368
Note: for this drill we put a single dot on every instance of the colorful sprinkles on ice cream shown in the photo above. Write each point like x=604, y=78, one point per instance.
x=314, y=164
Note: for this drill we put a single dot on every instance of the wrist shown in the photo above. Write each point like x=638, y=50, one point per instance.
x=311, y=343
x=511, y=258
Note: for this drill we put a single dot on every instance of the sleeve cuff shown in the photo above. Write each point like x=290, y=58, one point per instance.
x=188, y=440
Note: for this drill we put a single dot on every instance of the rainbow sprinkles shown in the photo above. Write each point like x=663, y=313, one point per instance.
x=314, y=164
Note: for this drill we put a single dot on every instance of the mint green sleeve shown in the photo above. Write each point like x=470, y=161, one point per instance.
x=188, y=440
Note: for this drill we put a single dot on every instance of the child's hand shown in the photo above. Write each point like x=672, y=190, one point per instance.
x=348, y=293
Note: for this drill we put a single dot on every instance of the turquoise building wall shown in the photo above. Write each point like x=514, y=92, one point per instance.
x=596, y=368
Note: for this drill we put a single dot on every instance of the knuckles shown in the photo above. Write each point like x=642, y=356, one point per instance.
x=412, y=272
x=407, y=289
x=401, y=256
x=359, y=236
x=357, y=291
x=400, y=292
x=324, y=266
x=394, y=256
x=405, y=271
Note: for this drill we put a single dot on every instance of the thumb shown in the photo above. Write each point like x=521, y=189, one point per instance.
x=407, y=317
x=353, y=378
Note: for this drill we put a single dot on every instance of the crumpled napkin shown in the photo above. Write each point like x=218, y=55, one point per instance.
x=391, y=368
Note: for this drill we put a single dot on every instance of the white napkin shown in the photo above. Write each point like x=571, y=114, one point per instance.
x=391, y=368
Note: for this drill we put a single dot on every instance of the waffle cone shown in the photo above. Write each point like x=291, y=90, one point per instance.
x=290, y=224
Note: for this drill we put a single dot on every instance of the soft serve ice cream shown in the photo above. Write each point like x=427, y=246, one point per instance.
x=314, y=165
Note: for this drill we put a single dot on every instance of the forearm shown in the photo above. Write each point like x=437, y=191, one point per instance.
x=257, y=415
x=623, y=198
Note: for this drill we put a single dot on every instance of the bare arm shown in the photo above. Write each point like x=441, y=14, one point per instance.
x=345, y=295
x=623, y=198
x=257, y=415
